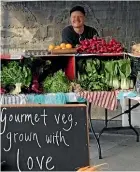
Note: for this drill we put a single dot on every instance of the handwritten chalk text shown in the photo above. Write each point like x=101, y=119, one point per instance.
x=21, y=137
x=32, y=160
x=56, y=138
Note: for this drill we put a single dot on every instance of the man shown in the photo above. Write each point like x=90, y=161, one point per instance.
x=77, y=30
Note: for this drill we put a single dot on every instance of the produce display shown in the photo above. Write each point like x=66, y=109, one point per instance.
x=57, y=82
x=89, y=76
x=99, y=45
x=124, y=67
x=94, y=74
x=75, y=87
x=15, y=74
x=58, y=47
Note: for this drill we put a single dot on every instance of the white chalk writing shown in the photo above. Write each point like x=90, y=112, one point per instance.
x=32, y=160
x=56, y=138
x=44, y=115
x=20, y=137
x=21, y=118
x=65, y=119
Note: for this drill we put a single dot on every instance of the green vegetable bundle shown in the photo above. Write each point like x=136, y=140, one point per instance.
x=89, y=75
x=13, y=73
x=125, y=72
x=118, y=73
x=94, y=74
x=56, y=83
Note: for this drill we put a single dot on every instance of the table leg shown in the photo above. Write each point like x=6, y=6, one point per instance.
x=94, y=134
x=129, y=120
x=106, y=120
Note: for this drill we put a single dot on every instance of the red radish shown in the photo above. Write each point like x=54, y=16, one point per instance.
x=99, y=45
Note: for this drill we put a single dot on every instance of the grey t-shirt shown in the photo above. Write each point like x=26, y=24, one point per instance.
x=70, y=36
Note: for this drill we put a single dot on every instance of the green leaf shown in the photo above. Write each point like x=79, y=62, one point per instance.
x=13, y=73
x=56, y=83
x=88, y=65
x=124, y=68
x=116, y=70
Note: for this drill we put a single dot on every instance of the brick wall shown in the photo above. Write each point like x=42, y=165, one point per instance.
x=34, y=25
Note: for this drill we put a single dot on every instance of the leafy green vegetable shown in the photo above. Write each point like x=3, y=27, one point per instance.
x=89, y=66
x=90, y=78
x=17, y=89
x=125, y=71
x=124, y=68
x=116, y=82
x=14, y=73
x=105, y=75
x=56, y=83
x=81, y=65
x=125, y=83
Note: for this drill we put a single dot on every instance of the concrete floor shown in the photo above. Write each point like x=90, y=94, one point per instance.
x=121, y=152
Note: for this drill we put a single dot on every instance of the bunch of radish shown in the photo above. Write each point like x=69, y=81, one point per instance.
x=35, y=85
x=99, y=45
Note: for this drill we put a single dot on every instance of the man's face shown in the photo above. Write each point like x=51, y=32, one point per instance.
x=77, y=19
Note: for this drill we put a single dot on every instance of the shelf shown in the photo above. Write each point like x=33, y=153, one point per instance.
x=20, y=56
x=103, y=54
x=133, y=55
x=50, y=55
x=11, y=57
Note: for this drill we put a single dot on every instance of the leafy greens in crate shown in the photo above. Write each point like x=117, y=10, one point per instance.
x=97, y=75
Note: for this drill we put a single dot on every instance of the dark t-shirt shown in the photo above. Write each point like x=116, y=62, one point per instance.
x=70, y=36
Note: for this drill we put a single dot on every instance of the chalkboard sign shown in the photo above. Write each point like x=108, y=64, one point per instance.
x=44, y=138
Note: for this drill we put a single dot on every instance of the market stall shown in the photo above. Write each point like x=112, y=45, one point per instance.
x=84, y=77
